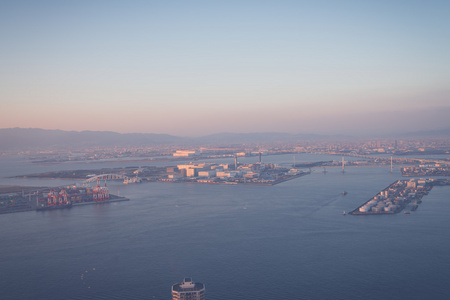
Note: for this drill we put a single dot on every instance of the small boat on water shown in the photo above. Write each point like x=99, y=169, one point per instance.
x=344, y=193
x=343, y=213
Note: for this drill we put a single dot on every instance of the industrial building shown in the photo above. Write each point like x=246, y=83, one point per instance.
x=186, y=153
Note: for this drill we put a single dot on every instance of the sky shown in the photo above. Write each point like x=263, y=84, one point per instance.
x=193, y=68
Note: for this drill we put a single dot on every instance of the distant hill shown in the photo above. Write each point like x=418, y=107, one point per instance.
x=33, y=138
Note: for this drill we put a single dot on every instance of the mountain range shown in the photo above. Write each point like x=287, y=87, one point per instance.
x=34, y=138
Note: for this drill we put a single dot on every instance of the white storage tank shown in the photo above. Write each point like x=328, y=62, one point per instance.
x=364, y=209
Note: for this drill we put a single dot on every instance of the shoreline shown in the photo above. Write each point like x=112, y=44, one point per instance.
x=240, y=183
x=114, y=199
x=118, y=199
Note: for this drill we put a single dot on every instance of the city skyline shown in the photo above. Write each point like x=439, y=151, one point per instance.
x=197, y=68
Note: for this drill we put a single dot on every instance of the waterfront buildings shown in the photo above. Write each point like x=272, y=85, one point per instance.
x=188, y=290
x=396, y=197
x=185, y=153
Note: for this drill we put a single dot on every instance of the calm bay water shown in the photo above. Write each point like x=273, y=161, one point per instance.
x=288, y=241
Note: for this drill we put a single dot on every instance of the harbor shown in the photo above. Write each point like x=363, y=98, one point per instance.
x=46, y=198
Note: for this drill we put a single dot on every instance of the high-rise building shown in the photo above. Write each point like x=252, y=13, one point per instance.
x=188, y=290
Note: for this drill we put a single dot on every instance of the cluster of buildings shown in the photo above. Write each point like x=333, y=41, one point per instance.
x=43, y=198
x=75, y=194
x=217, y=152
x=395, y=197
x=186, y=153
x=216, y=173
x=176, y=152
x=426, y=170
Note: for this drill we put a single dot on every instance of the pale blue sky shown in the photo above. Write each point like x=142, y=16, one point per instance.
x=199, y=67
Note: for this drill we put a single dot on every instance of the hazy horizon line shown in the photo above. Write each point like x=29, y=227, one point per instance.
x=322, y=134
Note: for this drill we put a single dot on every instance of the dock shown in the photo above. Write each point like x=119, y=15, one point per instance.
x=113, y=198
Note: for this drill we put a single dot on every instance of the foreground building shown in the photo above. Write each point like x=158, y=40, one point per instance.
x=188, y=290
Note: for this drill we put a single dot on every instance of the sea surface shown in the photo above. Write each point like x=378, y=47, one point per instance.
x=288, y=241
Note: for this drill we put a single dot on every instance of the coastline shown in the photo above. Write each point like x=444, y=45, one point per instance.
x=113, y=198
x=116, y=199
x=239, y=183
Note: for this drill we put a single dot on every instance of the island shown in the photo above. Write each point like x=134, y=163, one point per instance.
x=397, y=196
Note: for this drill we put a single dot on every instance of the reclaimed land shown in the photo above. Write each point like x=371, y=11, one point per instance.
x=84, y=174
x=6, y=189
x=417, y=199
x=16, y=210
x=277, y=181
x=27, y=205
x=357, y=212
